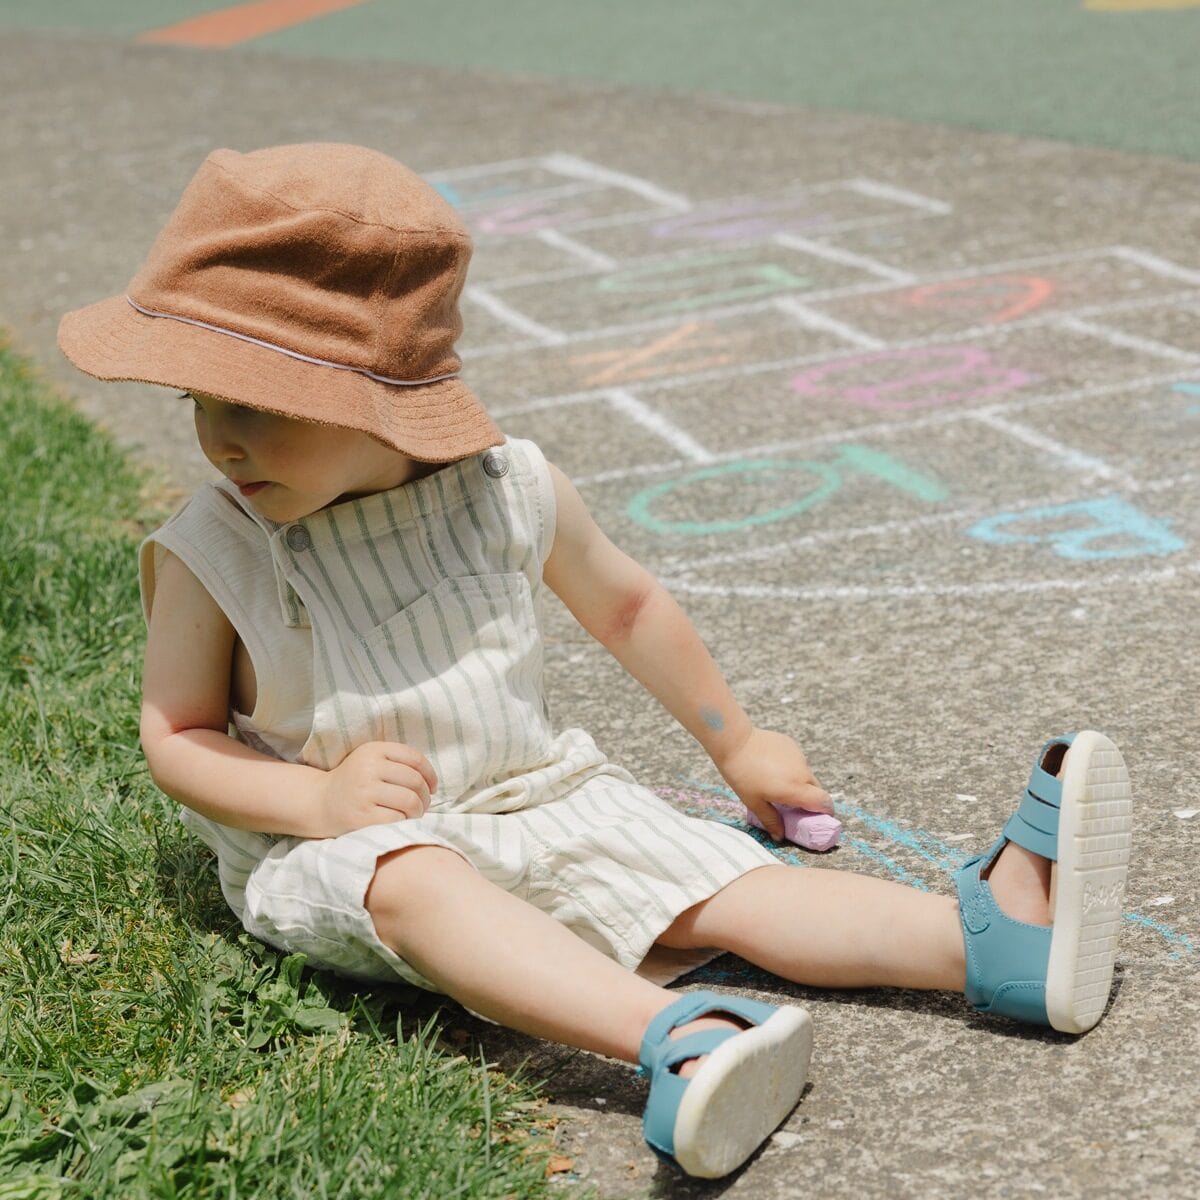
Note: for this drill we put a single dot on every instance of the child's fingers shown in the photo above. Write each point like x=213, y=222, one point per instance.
x=810, y=796
x=772, y=822
x=401, y=781
x=409, y=756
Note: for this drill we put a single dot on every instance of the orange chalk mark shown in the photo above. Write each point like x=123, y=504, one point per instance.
x=626, y=366
x=242, y=22
x=1027, y=292
x=1138, y=5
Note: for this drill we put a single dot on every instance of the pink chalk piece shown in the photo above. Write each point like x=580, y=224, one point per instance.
x=812, y=830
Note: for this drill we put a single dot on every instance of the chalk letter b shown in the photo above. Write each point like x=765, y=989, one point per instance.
x=1113, y=529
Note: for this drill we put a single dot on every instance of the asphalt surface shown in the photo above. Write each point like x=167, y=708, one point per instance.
x=908, y=418
x=1117, y=73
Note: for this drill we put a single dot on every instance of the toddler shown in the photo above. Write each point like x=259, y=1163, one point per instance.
x=343, y=687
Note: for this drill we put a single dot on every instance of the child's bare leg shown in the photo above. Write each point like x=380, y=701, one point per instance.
x=506, y=960
x=831, y=929
x=838, y=929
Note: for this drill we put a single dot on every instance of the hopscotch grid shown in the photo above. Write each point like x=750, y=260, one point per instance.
x=797, y=306
x=891, y=428
x=565, y=274
x=645, y=216
x=809, y=298
x=1004, y=266
x=750, y=308
x=717, y=374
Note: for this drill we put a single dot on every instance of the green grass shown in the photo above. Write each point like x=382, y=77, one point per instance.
x=148, y=1048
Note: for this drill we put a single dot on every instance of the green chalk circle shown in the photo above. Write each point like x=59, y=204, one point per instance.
x=641, y=507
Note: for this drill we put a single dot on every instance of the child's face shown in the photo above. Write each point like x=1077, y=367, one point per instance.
x=288, y=469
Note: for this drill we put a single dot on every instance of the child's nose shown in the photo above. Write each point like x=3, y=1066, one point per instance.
x=223, y=444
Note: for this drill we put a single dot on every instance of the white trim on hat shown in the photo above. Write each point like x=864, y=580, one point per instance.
x=308, y=358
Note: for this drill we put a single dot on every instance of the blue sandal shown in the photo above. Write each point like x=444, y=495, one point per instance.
x=1056, y=975
x=752, y=1078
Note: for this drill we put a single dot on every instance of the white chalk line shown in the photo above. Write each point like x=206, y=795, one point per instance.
x=1160, y=266
x=812, y=318
x=847, y=258
x=573, y=167
x=560, y=241
x=582, y=168
x=543, y=335
x=478, y=208
x=1077, y=460
x=886, y=191
x=930, y=591
x=650, y=419
x=501, y=167
x=1129, y=341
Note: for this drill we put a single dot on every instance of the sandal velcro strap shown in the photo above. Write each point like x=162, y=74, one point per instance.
x=1006, y=959
x=744, y=1084
x=690, y=1007
x=1035, y=823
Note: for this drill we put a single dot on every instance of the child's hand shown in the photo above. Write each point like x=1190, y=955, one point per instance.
x=375, y=784
x=769, y=768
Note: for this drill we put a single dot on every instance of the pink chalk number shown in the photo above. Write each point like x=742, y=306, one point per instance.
x=943, y=375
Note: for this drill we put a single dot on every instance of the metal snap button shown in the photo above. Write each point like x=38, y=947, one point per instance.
x=298, y=538
x=495, y=463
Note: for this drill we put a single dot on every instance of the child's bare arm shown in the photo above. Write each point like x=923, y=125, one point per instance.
x=185, y=715
x=626, y=609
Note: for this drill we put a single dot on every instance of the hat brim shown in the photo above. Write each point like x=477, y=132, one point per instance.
x=429, y=422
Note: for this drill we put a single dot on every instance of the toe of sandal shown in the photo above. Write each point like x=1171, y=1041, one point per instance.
x=711, y=1122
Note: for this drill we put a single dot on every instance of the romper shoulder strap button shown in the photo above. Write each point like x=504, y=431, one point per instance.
x=298, y=538
x=495, y=464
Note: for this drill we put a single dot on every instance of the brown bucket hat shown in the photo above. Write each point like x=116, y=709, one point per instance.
x=317, y=281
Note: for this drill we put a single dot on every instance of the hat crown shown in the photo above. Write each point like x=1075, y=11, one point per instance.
x=331, y=251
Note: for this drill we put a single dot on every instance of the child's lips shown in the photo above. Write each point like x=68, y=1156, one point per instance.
x=248, y=489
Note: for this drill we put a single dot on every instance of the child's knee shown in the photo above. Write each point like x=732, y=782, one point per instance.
x=408, y=880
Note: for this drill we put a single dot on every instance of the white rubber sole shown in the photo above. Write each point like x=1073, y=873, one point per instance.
x=1094, y=835
x=742, y=1091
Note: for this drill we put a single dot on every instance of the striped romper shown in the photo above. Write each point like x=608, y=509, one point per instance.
x=412, y=616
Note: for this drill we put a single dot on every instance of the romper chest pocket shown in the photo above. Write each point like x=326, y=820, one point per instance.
x=459, y=674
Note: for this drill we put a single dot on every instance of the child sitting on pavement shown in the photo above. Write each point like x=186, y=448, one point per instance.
x=343, y=687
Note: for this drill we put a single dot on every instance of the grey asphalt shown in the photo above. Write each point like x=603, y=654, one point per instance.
x=909, y=422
